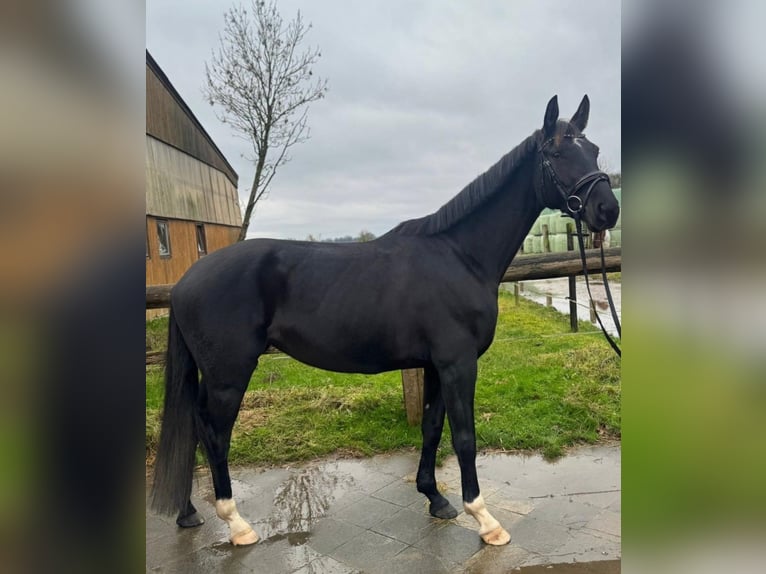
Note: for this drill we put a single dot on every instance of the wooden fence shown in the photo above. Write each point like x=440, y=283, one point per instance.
x=523, y=268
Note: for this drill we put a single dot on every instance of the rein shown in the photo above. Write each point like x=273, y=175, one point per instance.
x=575, y=205
x=615, y=318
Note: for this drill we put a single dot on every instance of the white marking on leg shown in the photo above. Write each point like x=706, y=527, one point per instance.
x=489, y=528
x=478, y=510
x=241, y=532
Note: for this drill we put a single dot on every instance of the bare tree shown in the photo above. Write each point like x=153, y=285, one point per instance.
x=262, y=83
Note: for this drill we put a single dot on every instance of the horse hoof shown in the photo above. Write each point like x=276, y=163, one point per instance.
x=497, y=537
x=445, y=512
x=245, y=538
x=194, y=519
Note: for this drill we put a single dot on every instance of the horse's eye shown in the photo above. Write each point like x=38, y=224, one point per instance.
x=556, y=154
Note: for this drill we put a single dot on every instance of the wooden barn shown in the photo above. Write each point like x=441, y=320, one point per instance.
x=192, y=206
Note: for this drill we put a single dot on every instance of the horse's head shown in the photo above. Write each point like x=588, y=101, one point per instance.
x=567, y=176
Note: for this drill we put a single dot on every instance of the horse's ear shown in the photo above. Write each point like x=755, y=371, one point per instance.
x=551, y=116
x=580, y=119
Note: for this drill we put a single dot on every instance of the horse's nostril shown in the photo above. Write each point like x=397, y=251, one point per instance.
x=608, y=211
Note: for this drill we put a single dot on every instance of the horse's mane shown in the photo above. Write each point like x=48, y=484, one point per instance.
x=473, y=195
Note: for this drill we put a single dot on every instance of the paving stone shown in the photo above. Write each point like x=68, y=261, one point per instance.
x=539, y=536
x=329, y=534
x=398, y=465
x=367, y=512
x=506, y=469
x=206, y=560
x=157, y=528
x=345, y=498
x=586, y=546
x=608, y=522
x=407, y=526
x=180, y=542
x=501, y=499
x=604, y=500
x=367, y=551
x=326, y=565
x=451, y=543
x=565, y=511
x=280, y=554
x=400, y=493
x=413, y=561
x=495, y=560
x=362, y=474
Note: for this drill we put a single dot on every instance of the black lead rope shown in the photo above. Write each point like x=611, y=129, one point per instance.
x=609, y=339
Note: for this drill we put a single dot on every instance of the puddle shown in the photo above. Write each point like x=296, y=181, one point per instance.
x=305, y=497
x=293, y=538
x=599, y=567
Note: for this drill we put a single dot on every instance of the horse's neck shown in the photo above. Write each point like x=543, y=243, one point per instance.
x=494, y=232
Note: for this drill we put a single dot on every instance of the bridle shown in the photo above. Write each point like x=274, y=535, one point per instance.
x=575, y=204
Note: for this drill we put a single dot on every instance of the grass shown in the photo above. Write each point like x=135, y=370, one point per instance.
x=539, y=388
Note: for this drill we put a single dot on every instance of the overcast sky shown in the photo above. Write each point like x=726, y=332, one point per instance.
x=423, y=97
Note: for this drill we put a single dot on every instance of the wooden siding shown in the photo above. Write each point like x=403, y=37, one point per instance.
x=181, y=187
x=183, y=248
x=170, y=120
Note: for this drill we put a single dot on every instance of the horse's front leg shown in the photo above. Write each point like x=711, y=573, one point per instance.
x=458, y=385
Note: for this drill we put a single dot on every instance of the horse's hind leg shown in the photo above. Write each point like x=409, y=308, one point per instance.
x=189, y=517
x=432, y=425
x=221, y=393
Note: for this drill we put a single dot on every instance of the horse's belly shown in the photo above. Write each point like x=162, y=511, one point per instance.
x=344, y=347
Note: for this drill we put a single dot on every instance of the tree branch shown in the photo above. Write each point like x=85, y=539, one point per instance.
x=261, y=84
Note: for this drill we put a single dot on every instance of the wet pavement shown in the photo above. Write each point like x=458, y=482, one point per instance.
x=364, y=515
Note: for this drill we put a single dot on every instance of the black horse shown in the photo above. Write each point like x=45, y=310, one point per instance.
x=422, y=295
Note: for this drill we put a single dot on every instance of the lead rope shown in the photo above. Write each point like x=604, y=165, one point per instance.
x=578, y=225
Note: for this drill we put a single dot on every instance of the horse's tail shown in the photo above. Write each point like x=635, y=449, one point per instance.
x=174, y=465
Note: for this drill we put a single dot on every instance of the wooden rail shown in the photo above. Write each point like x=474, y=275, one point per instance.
x=561, y=264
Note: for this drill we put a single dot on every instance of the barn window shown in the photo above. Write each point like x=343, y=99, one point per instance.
x=163, y=235
x=201, y=239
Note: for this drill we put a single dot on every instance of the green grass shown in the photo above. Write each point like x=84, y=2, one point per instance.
x=539, y=388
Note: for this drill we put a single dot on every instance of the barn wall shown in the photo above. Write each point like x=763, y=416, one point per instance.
x=183, y=246
x=182, y=187
x=169, y=119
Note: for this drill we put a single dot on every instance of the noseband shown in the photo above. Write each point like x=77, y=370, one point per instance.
x=573, y=202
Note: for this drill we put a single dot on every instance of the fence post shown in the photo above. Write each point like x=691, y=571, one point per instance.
x=572, y=285
x=412, y=383
x=546, y=239
x=516, y=292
